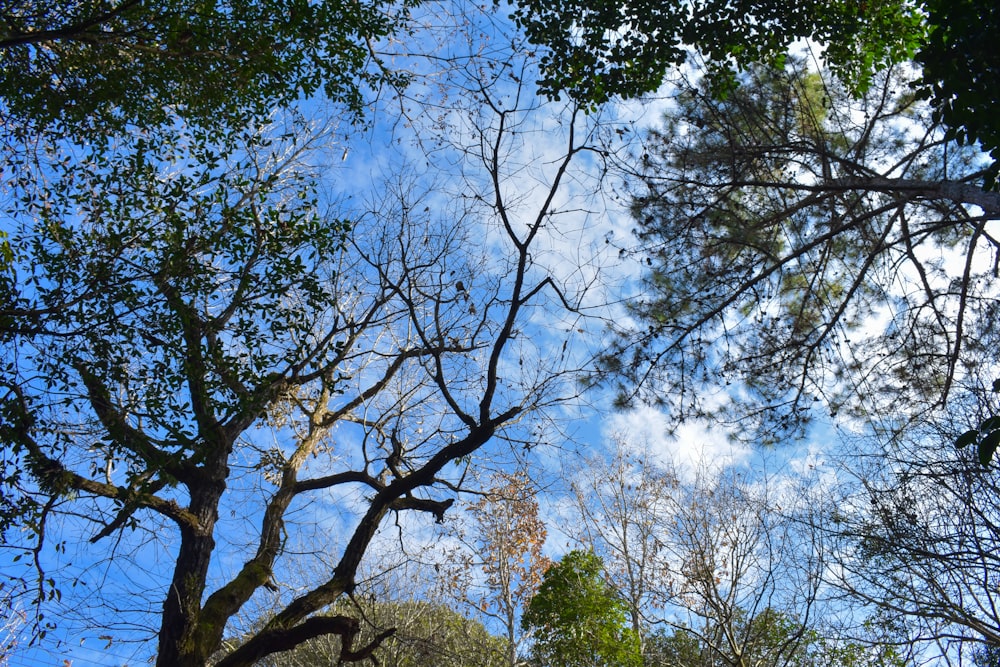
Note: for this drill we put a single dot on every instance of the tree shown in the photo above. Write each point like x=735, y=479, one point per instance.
x=506, y=538
x=916, y=538
x=595, y=51
x=728, y=563
x=214, y=356
x=77, y=74
x=87, y=67
x=777, y=641
x=622, y=503
x=747, y=589
x=425, y=634
x=775, y=224
x=577, y=618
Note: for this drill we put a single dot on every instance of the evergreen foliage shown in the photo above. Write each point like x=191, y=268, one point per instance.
x=578, y=619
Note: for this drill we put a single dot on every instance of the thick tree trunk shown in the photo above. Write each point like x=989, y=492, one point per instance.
x=182, y=640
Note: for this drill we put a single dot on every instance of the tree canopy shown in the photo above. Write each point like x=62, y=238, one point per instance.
x=777, y=222
x=961, y=68
x=425, y=634
x=90, y=66
x=595, y=51
x=578, y=620
x=505, y=541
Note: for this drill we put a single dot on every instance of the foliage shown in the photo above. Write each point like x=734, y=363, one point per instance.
x=674, y=649
x=6, y=257
x=985, y=437
x=596, y=50
x=776, y=223
x=577, y=618
x=18, y=507
x=961, y=71
x=425, y=634
x=506, y=539
x=87, y=67
x=767, y=638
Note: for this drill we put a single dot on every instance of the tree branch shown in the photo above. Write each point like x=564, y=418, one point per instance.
x=278, y=639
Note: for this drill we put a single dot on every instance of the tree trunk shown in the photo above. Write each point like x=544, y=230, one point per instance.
x=182, y=642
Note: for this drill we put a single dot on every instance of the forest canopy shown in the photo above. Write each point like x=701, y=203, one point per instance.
x=308, y=313
x=87, y=67
x=596, y=51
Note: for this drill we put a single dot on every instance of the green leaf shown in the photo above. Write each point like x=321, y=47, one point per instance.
x=990, y=424
x=987, y=447
x=967, y=438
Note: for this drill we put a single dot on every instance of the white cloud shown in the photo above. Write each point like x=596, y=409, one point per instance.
x=693, y=448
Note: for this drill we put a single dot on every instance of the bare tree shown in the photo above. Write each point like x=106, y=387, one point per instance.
x=623, y=502
x=500, y=565
x=917, y=533
x=716, y=554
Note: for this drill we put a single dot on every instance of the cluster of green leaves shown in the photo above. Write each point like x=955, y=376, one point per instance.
x=16, y=504
x=597, y=50
x=986, y=438
x=90, y=66
x=961, y=65
x=578, y=619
